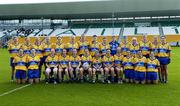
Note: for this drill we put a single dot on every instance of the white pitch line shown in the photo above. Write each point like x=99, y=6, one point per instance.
x=16, y=89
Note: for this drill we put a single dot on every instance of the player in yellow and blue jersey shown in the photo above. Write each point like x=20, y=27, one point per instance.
x=27, y=46
x=113, y=45
x=71, y=46
x=108, y=63
x=52, y=67
x=134, y=47
x=94, y=46
x=63, y=66
x=118, y=65
x=97, y=67
x=153, y=66
x=58, y=46
x=86, y=61
x=46, y=49
x=13, y=48
x=33, y=62
x=83, y=44
x=140, y=68
x=104, y=46
x=154, y=47
x=39, y=52
x=164, y=58
x=74, y=65
x=145, y=46
x=128, y=67
x=124, y=46
x=20, y=63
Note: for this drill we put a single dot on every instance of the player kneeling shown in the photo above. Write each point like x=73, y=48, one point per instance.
x=128, y=67
x=51, y=70
x=74, y=65
x=86, y=60
x=108, y=63
x=33, y=67
x=117, y=63
x=20, y=62
x=140, y=68
x=63, y=66
x=97, y=67
x=152, y=69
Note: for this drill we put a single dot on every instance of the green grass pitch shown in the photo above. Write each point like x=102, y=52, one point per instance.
x=91, y=94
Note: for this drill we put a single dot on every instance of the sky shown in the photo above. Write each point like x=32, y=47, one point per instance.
x=39, y=1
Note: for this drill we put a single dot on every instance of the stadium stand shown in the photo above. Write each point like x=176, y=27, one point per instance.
x=169, y=30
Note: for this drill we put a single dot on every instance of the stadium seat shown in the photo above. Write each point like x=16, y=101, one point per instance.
x=129, y=31
x=169, y=30
x=109, y=31
x=148, y=30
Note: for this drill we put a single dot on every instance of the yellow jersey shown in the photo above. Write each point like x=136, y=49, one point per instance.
x=152, y=65
x=82, y=47
x=104, y=48
x=27, y=49
x=140, y=64
x=64, y=61
x=93, y=48
x=108, y=60
x=87, y=59
x=39, y=50
x=70, y=48
x=75, y=60
x=118, y=60
x=13, y=49
x=97, y=61
x=164, y=50
x=145, y=48
x=46, y=49
x=33, y=62
x=128, y=63
x=154, y=48
x=20, y=63
x=134, y=49
x=58, y=48
x=52, y=61
x=124, y=48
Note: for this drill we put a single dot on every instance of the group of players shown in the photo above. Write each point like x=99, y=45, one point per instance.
x=132, y=62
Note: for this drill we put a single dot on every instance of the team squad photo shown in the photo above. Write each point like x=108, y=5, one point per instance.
x=136, y=62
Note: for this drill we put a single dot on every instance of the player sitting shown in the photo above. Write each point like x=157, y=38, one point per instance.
x=128, y=67
x=117, y=63
x=140, y=68
x=74, y=65
x=152, y=69
x=97, y=67
x=86, y=60
x=52, y=67
x=63, y=66
x=108, y=63
x=33, y=69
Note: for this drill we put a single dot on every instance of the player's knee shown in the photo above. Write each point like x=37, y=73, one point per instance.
x=48, y=70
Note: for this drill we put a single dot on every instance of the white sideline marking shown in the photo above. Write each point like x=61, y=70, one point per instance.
x=16, y=89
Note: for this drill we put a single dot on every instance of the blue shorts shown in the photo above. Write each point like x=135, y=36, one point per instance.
x=164, y=60
x=140, y=76
x=20, y=74
x=11, y=62
x=33, y=74
x=129, y=74
x=152, y=76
